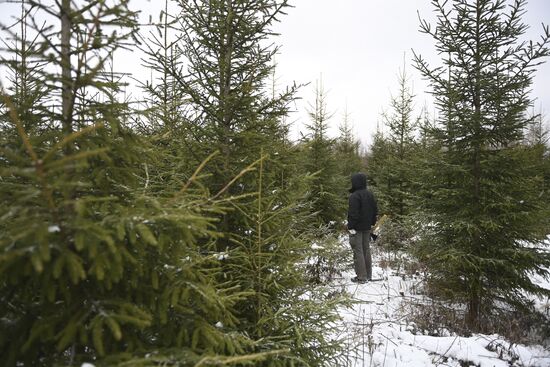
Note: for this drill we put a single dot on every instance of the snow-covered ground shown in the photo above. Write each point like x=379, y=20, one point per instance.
x=378, y=332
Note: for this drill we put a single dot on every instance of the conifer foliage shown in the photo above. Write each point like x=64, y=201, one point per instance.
x=229, y=63
x=483, y=215
x=174, y=235
x=393, y=161
x=94, y=266
x=266, y=234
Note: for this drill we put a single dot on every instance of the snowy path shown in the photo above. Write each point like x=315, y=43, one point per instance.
x=378, y=333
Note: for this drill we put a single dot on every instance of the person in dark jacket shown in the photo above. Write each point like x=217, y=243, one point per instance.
x=362, y=214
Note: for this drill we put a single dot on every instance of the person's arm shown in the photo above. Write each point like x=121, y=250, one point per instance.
x=353, y=211
x=375, y=211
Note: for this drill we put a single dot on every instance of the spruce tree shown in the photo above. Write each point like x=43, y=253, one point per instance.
x=483, y=218
x=392, y=171
x=328, y=187
x=266, y=235
x=164, y=102
x=392, y=161
x=378, y=170
x=226, y=81
x=348, y=148
x=23, y=73
x=165, y=115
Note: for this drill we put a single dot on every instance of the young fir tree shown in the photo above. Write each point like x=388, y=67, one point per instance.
x=23, y=72
x=226, y=81
x=378, y=171
x=347, y=148
x=94, y=266
x=393, y=173
x=234, y=112
x=391, y=166
x=164, y=103
x=483, y=218
x=165, y=114
x=328, y=188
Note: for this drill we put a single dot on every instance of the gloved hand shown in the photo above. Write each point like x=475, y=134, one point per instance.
x=352, y=231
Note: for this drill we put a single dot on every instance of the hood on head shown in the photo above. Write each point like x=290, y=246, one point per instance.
x=358, y=182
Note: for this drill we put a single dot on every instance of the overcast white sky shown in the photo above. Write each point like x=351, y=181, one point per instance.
x=358, y=46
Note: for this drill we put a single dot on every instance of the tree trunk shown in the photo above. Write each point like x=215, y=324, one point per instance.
x=66, y=92
x=474, y=305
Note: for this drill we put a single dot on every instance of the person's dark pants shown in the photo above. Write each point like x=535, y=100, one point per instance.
x=362, y=260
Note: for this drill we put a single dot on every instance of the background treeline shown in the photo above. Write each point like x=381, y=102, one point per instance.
x=178, y=233
x=467, y=188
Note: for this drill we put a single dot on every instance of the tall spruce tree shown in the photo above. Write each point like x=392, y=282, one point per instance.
x=483, y=218
x=328, y=188
x=393, y=173
x=234, y=111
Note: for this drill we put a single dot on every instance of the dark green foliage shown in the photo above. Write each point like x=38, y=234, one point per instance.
x=482, y=215
x=378, y=170
x=537, y=138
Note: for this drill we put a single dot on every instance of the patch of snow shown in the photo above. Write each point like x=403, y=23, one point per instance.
x=315, y=246
x=221, y=256
x=378, y=334
x=54, y=228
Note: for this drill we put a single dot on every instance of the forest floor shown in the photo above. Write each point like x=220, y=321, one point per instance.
x=379, y=330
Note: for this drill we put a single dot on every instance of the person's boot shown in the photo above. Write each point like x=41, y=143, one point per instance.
x=357, y=280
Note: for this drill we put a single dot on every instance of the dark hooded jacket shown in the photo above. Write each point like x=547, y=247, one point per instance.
x=362, y=210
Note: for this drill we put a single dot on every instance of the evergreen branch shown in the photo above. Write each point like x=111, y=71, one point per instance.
x=17, y=122
x=195, y=174
x=69, y=138
x=242, y=173
x=240, y=359
x=75, y=157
